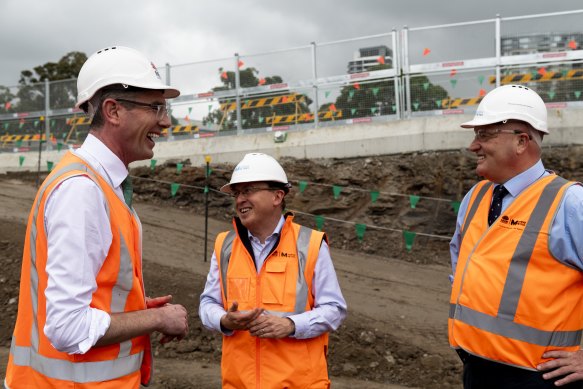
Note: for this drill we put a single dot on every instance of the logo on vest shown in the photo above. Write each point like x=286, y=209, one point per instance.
x=283, y=255
x=512, y=222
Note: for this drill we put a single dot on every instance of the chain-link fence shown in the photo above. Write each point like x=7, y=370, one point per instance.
x=433, y=70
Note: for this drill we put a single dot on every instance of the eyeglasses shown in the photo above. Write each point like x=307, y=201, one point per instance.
x=161, y=109
x=484, y=135
x=249, y=191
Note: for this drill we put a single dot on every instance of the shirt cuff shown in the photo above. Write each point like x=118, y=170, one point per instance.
x=100, y=321
x=302, y=326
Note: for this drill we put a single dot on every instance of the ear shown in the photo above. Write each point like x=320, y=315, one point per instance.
x=522, y=144
x=278, y=197
x=110, y=111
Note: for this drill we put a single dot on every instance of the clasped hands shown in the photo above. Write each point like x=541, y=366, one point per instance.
x=258, y=323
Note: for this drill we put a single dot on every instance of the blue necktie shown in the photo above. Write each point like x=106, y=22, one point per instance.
x=499, y=192
x=128, y=190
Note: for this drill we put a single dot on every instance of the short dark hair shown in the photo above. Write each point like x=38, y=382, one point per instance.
x=110, y=91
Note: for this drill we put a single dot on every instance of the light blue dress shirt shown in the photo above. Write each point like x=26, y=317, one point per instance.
x=329, y=305
x=566, y=235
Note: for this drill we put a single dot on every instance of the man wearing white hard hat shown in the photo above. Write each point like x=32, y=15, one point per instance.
x=272, y=289
x=83, y=318
x=516, y=306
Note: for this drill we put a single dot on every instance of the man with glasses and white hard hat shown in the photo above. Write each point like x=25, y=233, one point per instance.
x=83, y=318
x=271, y=290
x=516, y=307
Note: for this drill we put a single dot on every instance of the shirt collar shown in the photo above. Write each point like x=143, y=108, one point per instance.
x=113, y=166
x=275, y=232
x=518, y=183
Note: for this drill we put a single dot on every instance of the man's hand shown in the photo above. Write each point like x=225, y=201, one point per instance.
x=156, y=302
x=173, y=321
x=564, y=363
x=235, y=320
x=269, y=326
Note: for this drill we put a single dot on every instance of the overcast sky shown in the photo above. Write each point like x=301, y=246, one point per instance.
x=183, y=31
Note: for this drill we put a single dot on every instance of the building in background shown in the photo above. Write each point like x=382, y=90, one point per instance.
x=539, y=43
x=559, y=82
x=367, y=57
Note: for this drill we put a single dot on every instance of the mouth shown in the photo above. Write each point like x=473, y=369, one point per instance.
x=480, y=158
x=153, y=136
x=244, y=210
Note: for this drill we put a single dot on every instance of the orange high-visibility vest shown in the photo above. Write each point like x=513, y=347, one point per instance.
x=33, y=362
x=511, y=300
x=283, y=288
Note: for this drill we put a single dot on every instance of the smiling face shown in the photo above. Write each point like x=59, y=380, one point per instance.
x=131, y=123
x=140, y=126
x=258, y=207
x=499, y=152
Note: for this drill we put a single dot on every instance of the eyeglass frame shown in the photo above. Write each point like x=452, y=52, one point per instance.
x=480, y=133
x=249, y=190
x=161, y=109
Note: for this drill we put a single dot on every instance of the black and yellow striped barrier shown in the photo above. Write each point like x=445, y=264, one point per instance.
x=8, y=138
x=265, y=102
x=181, y=130
x=303, y=117
x=519, y=78
x=455, y=103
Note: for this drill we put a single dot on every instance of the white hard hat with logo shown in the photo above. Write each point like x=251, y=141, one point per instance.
x=119, y=65
x=511, y=102
x=257, y=167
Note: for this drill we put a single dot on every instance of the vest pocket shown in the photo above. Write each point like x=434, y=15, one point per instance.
x=238, y=289
x=274, y=283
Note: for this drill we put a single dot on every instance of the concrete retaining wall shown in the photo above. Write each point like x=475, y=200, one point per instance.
x=357, y=140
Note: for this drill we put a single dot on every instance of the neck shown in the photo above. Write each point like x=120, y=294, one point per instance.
x=265, y=230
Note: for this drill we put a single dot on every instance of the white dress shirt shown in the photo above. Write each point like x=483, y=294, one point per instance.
x=79, y=236
x=329, y=305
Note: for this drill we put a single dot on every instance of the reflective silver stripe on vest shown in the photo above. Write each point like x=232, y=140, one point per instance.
x=521, y=257
x=474, y=208
x=503, y=324
x=78, y=371
x=510, y=329
x=226, y=257
x=303, y=244
x=33, y=234
x=75, y=372
x=121, y=289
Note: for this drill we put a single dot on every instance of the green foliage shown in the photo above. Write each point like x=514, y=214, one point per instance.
x=425, y=94
x=31, y=91
x=253, y=117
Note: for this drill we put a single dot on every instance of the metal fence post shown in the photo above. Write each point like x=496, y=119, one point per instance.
x=168, y=77
x=315, y=75
x=397, y=67
x=238, y=91
x=49, y=145
x=407, y=81
x=498, y=50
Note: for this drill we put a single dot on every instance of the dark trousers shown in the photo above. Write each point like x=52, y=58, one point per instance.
x=480, y=373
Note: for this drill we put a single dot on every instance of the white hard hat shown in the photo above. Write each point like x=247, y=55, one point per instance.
x=257, y=167
x=511, y=102
x=119, y=65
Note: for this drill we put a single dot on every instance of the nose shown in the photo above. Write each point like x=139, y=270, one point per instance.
x=164, y=121
x=474, y=146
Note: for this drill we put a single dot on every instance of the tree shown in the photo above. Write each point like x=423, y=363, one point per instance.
x=253, y=117
x=362, y=100
x=425, y=96
x=31, y=93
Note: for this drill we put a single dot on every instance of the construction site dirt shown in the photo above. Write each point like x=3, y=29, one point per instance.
x=397, y=289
